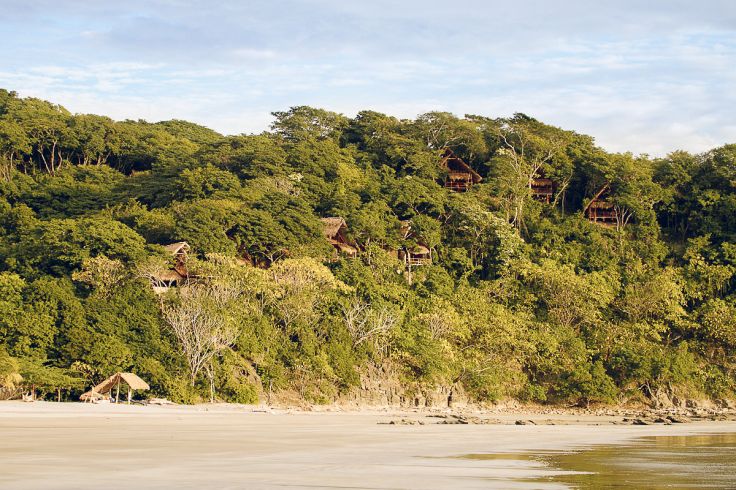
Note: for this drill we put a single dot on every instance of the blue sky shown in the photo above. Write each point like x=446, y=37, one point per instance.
x=643, y=76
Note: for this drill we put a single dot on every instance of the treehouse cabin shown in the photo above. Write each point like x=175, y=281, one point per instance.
x=543, y=189
x=335, y=230
x=600, y=210
x=460, y=177
x=162, y=280
x=180, y=252
x=413, y=254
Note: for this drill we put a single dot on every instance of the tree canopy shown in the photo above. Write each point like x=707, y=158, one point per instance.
x=523, y=298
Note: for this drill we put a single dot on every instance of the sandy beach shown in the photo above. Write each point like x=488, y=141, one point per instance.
x=48, y=445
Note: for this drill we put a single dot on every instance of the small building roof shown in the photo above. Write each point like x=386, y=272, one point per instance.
x=598, y=204
x=420, y=250
x=332, y=226
x=542, y=181
x=602, y=192
x=168, y=276
x=454, y=164
x=177, y=248
x=345, y=248
x=132, y=380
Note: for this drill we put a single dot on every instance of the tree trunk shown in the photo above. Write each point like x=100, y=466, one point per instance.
x=53, y=158
x=211, y=376
x=43, y=159
x=61, y=160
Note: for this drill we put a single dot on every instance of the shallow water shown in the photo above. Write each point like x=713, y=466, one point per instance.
x=660, y=462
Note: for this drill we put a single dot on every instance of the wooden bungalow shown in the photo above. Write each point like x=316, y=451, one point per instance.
x=416, y=255
x=600, y=210
x=163, y=280
x=543, y=189
x=460, y=177
x=103, y=391
x=180, y=252
x=178, y=274
x=413, y=254
x=335, y=230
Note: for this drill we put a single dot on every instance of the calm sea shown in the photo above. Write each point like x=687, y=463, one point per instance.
x=661, y=462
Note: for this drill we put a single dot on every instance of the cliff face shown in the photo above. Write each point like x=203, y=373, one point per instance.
x=383, y=386
x=380, y=387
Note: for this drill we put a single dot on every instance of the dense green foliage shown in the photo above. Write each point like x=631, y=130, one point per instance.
x=524, y=299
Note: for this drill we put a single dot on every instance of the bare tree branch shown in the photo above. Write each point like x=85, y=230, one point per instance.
x=199, y=325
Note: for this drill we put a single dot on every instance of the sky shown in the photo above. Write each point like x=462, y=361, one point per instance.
x=646, y=76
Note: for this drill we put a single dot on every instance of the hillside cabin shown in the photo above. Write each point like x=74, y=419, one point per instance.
x=600, y=210
x=178, y=274
x=180, y=252
x=460, y=177
x=543, y=189
x=335, y=230
x=413, y=254
x=416, y=255
x=164, y=280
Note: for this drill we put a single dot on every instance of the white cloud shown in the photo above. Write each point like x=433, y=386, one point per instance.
x=253, y=54
x=642, y=77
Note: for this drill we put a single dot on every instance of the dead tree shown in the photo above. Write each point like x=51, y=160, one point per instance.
x=200, y=326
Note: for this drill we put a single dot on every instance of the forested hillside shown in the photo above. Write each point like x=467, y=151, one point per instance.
x=562, y=274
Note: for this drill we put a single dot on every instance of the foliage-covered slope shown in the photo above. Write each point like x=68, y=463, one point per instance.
x=522, y=299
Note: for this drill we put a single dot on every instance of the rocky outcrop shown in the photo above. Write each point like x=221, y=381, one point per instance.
x=383, y=386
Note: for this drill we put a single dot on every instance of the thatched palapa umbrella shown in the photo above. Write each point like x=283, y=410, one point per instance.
x=114, y=381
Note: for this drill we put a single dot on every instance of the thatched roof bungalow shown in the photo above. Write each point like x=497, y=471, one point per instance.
x=165, y=279
x=542, y=188
x=335, y=230
x=162, y=280
x=416, y=255
x=460, y=176
x=180, y=252
x=178, y=249
x=413, y=254
x=600, y=210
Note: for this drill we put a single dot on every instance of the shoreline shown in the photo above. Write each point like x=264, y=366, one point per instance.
x=470, y=414
x=69, y=445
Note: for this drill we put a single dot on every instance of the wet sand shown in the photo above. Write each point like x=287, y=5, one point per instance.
x=49, y=445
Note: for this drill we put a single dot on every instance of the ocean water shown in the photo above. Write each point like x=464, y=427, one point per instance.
x=659, y=462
